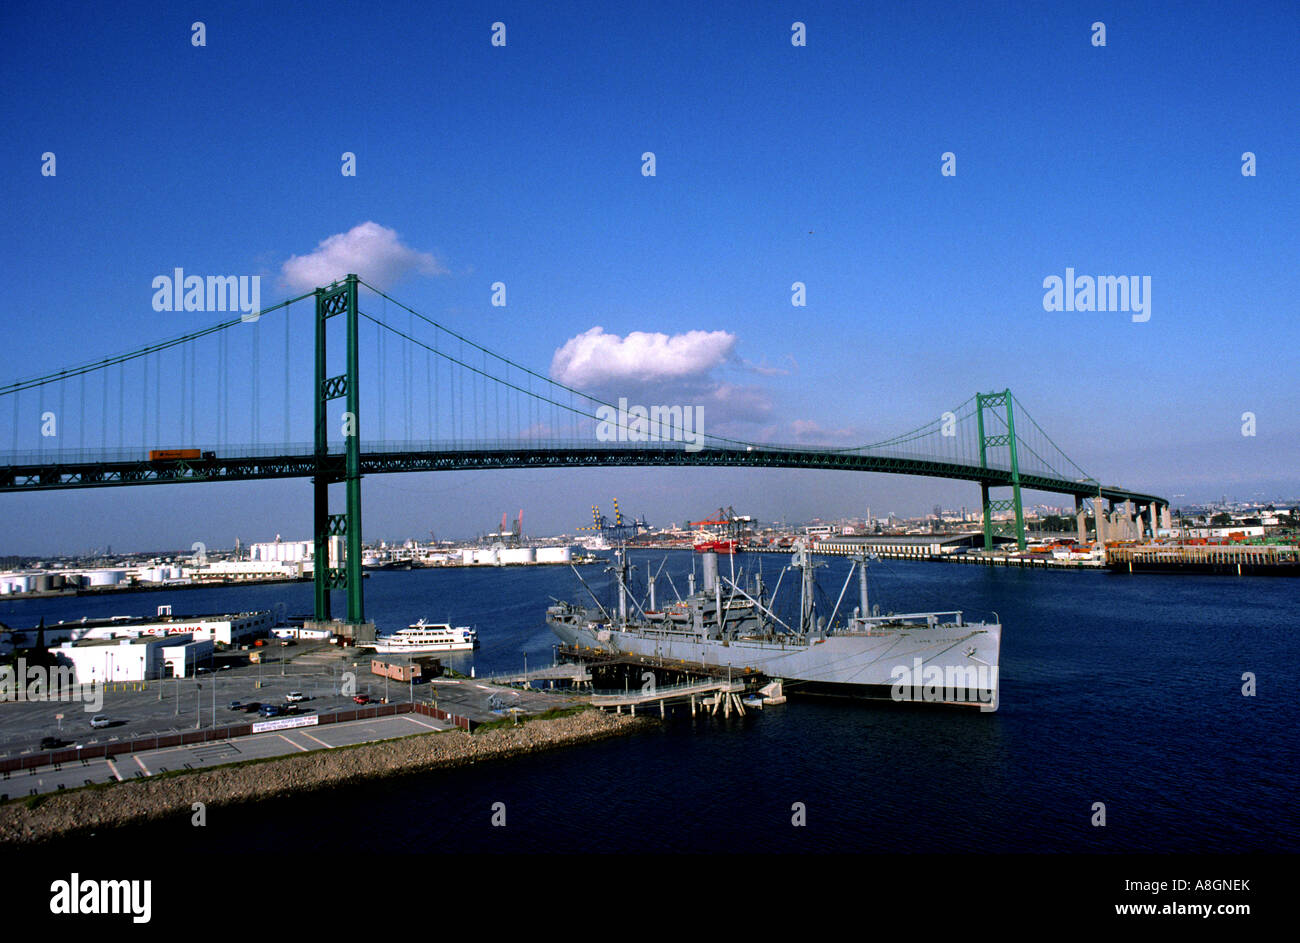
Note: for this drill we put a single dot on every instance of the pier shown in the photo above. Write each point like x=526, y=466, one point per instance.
x=1238, y=559
x=575, y=674
x=710, y=693
x=703, y=687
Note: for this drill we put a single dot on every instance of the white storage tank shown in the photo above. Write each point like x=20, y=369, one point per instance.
x=467, y=556
x=554, y=554
x=518, y=555
x=105, y=577
x=487, y=557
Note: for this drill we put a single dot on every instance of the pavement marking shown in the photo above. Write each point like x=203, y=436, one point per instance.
x=420, y=722
x=291, y=743
x=140, y=762
x=113, y=769
x=318, y=740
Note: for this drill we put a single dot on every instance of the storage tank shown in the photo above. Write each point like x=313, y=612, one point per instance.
x=467, y=556
x=43, y=583
x=105, y=577
x=487, y=557
x=518, y=555
x=554, y=554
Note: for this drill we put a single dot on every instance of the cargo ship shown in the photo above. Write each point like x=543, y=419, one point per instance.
x=706, y=543
x=917, y=656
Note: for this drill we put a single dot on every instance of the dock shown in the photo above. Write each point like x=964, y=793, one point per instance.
x=709, y=693
x=575, y=674
x=704, y=687
x=1236, y=559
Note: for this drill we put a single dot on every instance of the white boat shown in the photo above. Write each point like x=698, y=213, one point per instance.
x=429, y=637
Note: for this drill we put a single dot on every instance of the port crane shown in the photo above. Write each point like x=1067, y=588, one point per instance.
x=617, y=529
x=730, y=525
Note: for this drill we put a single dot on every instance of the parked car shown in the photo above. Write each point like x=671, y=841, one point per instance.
x=236, y=706
x=361, y=698
x=269, y=710
x=52, y=743
x=252, y=708
x=295, y=696
x=100, y=720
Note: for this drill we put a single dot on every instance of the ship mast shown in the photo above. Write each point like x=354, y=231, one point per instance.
x=621, y=571
x=862, y=586
x=807, y=603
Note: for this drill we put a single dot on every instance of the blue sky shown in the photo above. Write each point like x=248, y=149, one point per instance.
x=775, y=164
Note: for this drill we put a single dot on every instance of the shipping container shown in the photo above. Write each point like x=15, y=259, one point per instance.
x=173, y=455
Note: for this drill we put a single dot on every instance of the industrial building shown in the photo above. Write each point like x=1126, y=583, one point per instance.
x=911, y=545
x=295, y=551
x=133, y=659
x=235, y=571
x=514, y=556
x=227, y=629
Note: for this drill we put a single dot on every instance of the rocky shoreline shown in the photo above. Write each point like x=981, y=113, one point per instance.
x=62, y=814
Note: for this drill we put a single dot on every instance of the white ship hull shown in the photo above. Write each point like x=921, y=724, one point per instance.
x=424, y=637
x=415, y=647
x=956, y=665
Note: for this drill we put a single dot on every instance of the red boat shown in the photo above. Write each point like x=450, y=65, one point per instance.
x=717, y=546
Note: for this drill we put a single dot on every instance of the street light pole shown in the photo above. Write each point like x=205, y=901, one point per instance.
x=198, y=704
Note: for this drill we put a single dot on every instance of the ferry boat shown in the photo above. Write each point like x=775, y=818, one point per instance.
x=429, y=637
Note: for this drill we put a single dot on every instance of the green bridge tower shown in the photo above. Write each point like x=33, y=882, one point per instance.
x=339, y=298
x=985, y=401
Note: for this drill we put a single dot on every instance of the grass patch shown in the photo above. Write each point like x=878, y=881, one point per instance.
x=553, y=714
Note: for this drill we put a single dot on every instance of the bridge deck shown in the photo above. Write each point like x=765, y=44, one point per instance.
x=54, y=472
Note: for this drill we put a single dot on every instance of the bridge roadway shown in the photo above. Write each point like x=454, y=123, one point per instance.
x=56, y=471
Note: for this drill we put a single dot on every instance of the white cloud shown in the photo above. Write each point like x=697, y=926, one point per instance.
x=370, y=250
x=596, y=360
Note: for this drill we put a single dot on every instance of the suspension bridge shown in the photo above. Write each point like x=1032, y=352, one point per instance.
x=227, y=403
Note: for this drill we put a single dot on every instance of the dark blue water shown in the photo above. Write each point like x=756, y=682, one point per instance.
x=1124, y=690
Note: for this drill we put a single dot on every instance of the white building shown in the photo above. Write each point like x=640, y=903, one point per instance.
x=231, y=570
x=122, y=659
x=301, y=632
x=182, y=660
x=228, y=629
x=1253, y=530
x=295, y=551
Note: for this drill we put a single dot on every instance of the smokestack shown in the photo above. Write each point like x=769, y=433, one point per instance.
x=710, y=571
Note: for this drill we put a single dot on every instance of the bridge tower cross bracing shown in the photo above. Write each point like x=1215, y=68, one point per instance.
x=992, y=401
x=336, y=299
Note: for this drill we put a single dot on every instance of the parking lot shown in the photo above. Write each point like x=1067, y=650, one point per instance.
x=199, y=755
x=157, y=708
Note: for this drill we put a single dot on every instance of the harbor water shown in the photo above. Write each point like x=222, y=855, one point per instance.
x=1116, y=689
